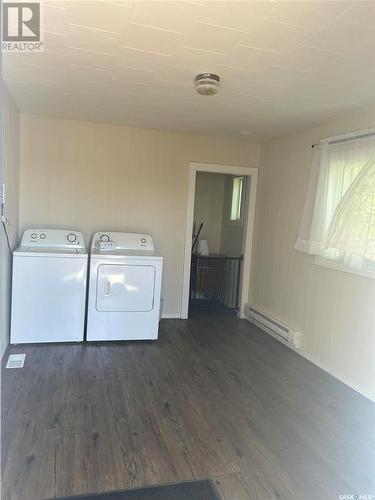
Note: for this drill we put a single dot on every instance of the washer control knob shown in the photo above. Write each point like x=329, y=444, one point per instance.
x=33, y=236
x=43, y=236
x=71, y=237
x=143, y=241
x=104, y=237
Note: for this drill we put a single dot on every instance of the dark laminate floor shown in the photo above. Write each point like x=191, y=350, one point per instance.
x=214, y=397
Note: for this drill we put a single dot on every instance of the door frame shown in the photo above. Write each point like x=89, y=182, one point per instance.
x=252, y=174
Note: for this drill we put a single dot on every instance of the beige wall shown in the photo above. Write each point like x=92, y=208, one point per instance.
x=10, y=131
x=335, y=311
x=94, y=176
x=208, y=207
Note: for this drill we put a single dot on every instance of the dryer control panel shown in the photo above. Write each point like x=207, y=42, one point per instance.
x=53, y=238
x=123, y=241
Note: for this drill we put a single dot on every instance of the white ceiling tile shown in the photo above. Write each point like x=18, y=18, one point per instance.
x=306, y=58
x=361, y=57
x=340, y=36
x=151, y=39
x=29, y=83
x=10, y=74
x=91, y=58
x=182, y=91
x=285, y=76
x=213, y=38
x=12, y=60
x=266, y=92
x=118, y=85
x=44, y=73
x=131, y=74
x=55, y=42
x=53, y=3
x=272, y=35
x=99, y=14
x=77, y=72
x=178, y=17
x=313, y=14
x=241, y=15
x=361, y=73
x=362, y=13
x=93, y=39
x=255, y=102
x=89, y=86
x=338, y=74
x=251, y=58
x=130, y=56
x=176, y=74
x=55, y=19
x=44, y=59
x=199, y=60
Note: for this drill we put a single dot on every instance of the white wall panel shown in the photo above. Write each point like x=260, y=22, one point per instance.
x=335, y=311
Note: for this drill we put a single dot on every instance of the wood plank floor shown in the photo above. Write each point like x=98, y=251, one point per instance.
x=214, y=397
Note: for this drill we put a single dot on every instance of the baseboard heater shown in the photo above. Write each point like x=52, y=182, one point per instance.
x=273, y=327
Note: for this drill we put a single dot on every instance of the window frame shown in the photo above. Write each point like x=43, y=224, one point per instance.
x=340, y=266
x=239, y=221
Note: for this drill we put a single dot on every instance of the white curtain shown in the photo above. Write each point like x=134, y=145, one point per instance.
x=352, y=228
x=339, y=214
x=311, y=233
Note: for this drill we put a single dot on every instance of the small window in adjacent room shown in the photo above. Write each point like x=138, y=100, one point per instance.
x=237, y=194
x=338, y=223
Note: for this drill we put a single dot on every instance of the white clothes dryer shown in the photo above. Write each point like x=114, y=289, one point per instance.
x=124, y=287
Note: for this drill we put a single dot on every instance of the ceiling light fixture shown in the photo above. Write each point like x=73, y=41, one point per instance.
x=207, y=83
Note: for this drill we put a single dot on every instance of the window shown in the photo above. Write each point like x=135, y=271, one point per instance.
x=338, y=223
x=341, y=175
x=237, y=194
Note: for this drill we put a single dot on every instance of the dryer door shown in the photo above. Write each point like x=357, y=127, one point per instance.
x=125, y=288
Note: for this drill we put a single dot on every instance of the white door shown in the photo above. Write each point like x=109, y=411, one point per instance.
x=125, y=288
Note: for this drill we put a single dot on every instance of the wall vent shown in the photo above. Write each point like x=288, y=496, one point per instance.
x=15, y=361
x=272, y=326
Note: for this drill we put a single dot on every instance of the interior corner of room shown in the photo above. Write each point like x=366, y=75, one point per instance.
x=241, y=203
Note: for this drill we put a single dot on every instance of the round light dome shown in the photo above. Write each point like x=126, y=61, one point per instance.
x=207, y=83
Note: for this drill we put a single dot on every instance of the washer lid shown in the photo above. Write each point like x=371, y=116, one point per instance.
x=33, y=251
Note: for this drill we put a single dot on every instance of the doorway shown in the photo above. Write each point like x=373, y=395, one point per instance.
x=219, y=232
x=219, y=205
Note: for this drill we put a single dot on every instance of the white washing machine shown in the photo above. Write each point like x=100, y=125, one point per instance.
x=49, y=287
x=124, y=287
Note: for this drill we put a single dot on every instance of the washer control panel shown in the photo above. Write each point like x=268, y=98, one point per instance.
x=53, y=238
x=124, y=241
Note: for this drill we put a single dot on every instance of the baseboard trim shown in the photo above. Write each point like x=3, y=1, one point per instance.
x=319, y=365
x=337, y=377
x=171, y=316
